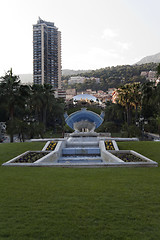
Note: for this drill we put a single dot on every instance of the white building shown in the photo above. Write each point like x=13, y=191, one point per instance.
x=77, y=79
x=46, y=54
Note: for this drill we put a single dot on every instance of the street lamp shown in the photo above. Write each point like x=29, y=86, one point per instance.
x=140, y=123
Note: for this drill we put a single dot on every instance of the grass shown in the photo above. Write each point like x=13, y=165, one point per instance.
x=146, y=148
x=11, y=150
x=76, y=204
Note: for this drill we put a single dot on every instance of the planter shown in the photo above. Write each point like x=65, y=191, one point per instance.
x=128, y=157
x=30, y=157
x=51, y=146
x=109, y=145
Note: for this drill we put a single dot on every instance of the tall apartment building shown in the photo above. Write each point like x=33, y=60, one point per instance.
x=46, y=54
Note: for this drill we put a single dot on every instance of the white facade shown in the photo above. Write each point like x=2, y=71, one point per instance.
x=76, y=79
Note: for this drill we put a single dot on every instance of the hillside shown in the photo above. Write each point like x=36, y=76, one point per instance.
x=149, y=59
x=66, y=72
x=113, y=77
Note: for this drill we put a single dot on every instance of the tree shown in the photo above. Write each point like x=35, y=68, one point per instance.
x=114, y=113
x=124, y=99
x=136, y=99
x=158, y=70
x=130, y=96
x=148, y=100
x=10, y=95
x=19, y=127
x=10, y=86
x=56, y=115
x=42, y=100
x=47, y=101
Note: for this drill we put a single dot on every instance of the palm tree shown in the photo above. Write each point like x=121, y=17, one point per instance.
x=10, y=86
x=42, y=99
x=130, y=96
x=47, y=101
x=10, y=95
x=136, y=97
x=13, y=96
x=148, y=99
x=124, y=99
x=36, y=101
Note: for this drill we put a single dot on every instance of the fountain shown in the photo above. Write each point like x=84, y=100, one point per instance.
x=83, y=148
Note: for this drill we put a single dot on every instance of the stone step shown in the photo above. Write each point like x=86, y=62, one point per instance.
x=81, y=151
x=89, y=160
x=82, y=144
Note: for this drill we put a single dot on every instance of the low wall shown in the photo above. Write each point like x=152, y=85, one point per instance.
x=13, y=163
x=107, y=156
x=145, y=161
x=54, y=155
x=115, y=145
x=118, y=139
x=46, y=139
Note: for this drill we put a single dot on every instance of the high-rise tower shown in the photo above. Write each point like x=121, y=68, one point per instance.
x=46, y=54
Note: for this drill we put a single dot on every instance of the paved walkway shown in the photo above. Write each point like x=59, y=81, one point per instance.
x=153, y=135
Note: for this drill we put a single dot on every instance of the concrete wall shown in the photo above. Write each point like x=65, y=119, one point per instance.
x=54, y=155
x=107, y=156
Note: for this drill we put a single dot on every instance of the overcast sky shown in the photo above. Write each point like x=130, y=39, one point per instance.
x=95, y=33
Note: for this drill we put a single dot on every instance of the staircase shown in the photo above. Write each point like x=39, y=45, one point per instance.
x=81, y=150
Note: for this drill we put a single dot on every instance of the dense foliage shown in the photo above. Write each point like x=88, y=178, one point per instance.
x=113, y=77
x=137, y=110
x=28, y=110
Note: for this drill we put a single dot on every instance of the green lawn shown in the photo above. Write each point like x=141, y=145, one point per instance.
x=76, y=204
x=148, y=149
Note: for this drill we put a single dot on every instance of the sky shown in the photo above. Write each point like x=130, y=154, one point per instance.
x=95, y=33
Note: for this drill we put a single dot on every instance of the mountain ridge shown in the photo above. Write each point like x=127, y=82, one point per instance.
x=155, y=58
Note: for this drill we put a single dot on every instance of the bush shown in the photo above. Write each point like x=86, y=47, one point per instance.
x=152, y=126
x=67, y=129
x=130, y=131
x=108, y=127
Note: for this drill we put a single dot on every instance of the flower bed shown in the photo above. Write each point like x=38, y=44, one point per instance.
x=128, y=157
x=52, y=145
x=109, y=145
x=30, y=157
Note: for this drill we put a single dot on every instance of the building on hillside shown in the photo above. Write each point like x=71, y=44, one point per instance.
x=89, y=91
x=70, y=93
x=60, y=93
x=157, y=81
x=97, y=80
x=100, y=94
x=114, y=96
x=76, y=79
x=111, y=90
x=46, y=54
x=152, y=76
x=87, y=98
x=144, y=74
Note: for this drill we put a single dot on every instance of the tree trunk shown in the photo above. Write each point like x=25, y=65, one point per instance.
x=136, y=113
x=128, y=115
x=11, y=112
x=11, y=138
x=44, y=116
